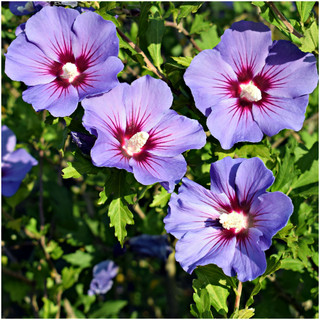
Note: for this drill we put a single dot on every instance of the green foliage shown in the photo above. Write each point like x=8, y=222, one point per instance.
x=69, y=215
x=212, y=289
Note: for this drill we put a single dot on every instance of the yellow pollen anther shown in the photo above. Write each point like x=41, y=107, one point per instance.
x=233, y=220
x=136, y=142
x=70, y=71
x=250, y=92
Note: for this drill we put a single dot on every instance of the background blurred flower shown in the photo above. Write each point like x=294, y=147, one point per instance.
x=66, y=64
x=14, y=164
x=232, y=224
x=103, y=273
x=21, y=8
x=249, y=86
x=137, y=132
x=151, y=245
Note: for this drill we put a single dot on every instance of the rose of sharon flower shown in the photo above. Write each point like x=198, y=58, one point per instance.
x=103, y=273
x=248, y=85
x=232, y=224
x=137, y=132
x=63, y=59
x=14, y=164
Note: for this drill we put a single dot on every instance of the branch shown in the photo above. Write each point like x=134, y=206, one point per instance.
x=181, y=29
x=17, y=276
x=145, y=58
x=238, y=296
x=284, y=20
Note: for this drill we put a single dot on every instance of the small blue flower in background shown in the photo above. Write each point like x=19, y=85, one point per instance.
x=68, y=62
x=21, y=8
x=85, y=142
x=14, y=164
x=103, y=273
x=151, y=245
x=249, y=86
x=137, y=131
x=232, y=224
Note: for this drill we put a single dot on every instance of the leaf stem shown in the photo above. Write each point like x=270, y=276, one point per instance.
x=181, y=29
x=284, y=20
x=238, y=296
x=145, y=58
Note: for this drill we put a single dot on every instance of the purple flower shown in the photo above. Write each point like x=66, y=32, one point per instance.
x=103, y=273
x=153, y=246
x=67, y=62
x=232, y=224
x=21, y=8
x=14, y=164
x=137, y=132
x=248, y=85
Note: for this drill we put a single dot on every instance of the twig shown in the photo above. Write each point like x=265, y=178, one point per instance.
x=68, y=308
x=138, y=210
x=17, y=276
x=284, y=20
x=145, y=58
x=238, y=296
x=181, y=29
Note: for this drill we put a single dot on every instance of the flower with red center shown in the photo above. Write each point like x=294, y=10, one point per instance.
x=248, y=85
x=137, y=132
x=63, y=59
x=232, y=224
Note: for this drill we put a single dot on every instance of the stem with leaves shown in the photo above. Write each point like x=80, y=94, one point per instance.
x=145, y=58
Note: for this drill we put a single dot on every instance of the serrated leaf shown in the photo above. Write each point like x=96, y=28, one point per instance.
x=304, y=9
x=308, y=177
x=184, y=61
x=54, y=250
x=310, y=41
x=199, y=24
x=161, y=199
x=292, y=264
x=154, y=38
x=79, y=258
x=287, y=172
x=120, y=216
x=216, y=285
x=209, y=38
x=187, y=9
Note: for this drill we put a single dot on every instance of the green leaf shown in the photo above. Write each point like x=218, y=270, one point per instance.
x=199, y=24
x=14, y=224
x=209, y=38
x=287, y=172
x=243, y=314
x=69, y=277
x=49, y=309
x=184, y=61
x=54, y=250
x=304, y=9
x=292, y=264
x=78, y=167
x=109, y=309
x=161, y=199
x=79, y=258
x=273, y=265
x=308, y=177
x=185, y=9
x=154, y=37
x=310, y=41
x=216, y=285
x=120, y=216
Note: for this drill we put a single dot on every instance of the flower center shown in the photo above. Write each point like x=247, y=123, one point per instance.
x=70, y=71
x=136, y=142
x=250, y=92
x=233, y=220
x=28, y=7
